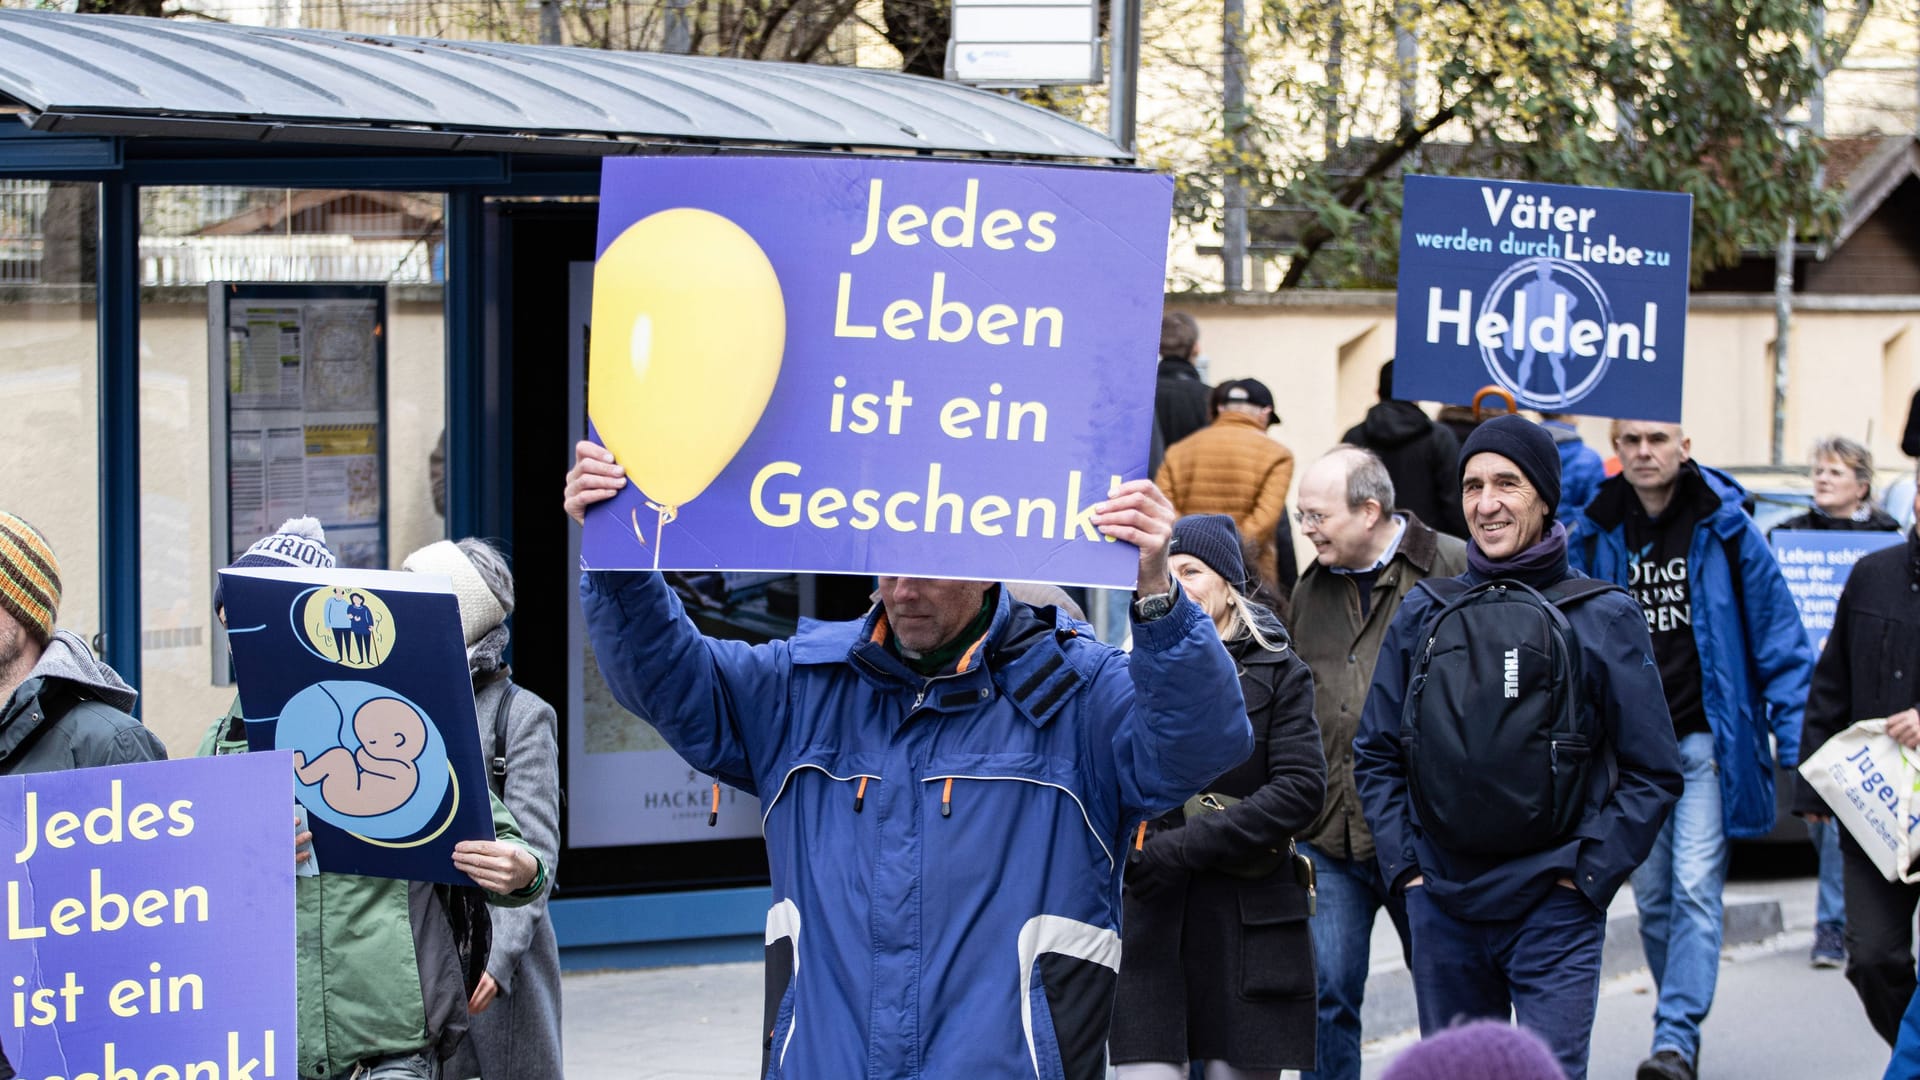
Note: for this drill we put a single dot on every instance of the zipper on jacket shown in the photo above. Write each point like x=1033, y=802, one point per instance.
x=920, y=695
x=946, y=799
x=713, y=814
x=860, y=794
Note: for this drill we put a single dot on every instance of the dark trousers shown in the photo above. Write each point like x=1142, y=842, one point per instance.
x=1879, y=937
x=341, y=635
x=1543, y=966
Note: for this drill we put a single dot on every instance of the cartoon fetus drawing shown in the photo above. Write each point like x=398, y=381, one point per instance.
x=381, y=775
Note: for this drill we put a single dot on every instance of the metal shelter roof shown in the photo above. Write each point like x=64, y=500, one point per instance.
x=131, y=76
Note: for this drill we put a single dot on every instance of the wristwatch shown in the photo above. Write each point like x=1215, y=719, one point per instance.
x=1149, y=608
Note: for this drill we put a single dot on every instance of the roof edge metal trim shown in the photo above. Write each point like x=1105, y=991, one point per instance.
x=122, y=75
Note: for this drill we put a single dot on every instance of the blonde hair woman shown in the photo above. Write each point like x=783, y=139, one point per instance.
x=1217, y=964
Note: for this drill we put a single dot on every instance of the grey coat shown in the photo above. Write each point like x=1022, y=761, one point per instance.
x=519, y=1035
x=71, y=713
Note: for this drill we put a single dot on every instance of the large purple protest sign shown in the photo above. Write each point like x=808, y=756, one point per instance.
x=877, y=367
x=1572, y=299
x=150, y=920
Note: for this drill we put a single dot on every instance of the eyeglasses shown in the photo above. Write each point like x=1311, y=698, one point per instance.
x=1310, y=520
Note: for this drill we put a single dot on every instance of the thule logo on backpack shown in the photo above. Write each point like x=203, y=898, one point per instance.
x=1513, y=673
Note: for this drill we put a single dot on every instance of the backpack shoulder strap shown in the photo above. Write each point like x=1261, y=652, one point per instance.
x=1445, y=589
x=498, y=772
x=1573, y=591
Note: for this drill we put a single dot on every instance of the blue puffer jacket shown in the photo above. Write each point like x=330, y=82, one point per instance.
x=946, y=853
x=1755, y=661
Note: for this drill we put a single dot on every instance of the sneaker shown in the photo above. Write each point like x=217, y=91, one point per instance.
x=1829, y=949
x=1665, y=1065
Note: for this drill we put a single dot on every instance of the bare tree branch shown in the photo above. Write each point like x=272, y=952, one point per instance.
x=1353, y=193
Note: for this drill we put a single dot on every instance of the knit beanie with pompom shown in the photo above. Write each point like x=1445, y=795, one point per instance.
x=1482, y=1050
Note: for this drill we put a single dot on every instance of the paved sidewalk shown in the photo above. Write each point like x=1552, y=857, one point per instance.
x=696, y=1023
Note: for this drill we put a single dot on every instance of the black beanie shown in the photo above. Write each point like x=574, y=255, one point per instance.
x=1524, y=443
x=1214, y=540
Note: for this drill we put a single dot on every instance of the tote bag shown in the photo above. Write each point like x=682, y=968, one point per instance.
x=1867, y=779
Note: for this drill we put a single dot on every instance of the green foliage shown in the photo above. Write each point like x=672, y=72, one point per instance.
x=1684, y=96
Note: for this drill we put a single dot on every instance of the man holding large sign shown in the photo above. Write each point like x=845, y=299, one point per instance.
x=947, y=781
x=1572, y=299
x=872, y=367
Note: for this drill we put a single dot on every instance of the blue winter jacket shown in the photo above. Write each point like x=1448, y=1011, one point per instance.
x=1625, y=810
x=1581, y=470
x=946, y=853
x=1755, y=661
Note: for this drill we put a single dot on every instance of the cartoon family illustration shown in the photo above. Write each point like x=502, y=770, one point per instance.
x=351, y=621
x=379, y=777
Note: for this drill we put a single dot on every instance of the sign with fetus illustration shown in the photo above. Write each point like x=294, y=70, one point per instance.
x=362, y=675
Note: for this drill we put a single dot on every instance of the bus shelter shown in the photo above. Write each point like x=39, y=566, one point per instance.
x=139, y=442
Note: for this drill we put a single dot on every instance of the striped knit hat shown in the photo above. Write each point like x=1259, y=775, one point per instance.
x=29, y=577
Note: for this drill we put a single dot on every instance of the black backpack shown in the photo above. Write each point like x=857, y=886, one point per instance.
x=1499, y=736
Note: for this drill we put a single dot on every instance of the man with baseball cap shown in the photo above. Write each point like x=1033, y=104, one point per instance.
x=60, y=707
x=1231, y=467
x=1508, y=912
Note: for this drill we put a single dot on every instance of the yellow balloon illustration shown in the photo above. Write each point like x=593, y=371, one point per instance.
x=689, y=325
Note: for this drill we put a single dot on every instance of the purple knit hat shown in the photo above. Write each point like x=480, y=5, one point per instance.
x=1482, y=1050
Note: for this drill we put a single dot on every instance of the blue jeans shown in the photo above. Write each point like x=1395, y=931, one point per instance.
x=1678, y=890
x=1543, y=966
x=1830, y=906
x=1351, y=895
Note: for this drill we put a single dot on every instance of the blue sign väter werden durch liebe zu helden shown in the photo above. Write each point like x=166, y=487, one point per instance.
x=875, y=367
x=1572, y=299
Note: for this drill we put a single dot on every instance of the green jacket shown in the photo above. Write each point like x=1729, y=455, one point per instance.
x=1341, y=647
x=377, y=970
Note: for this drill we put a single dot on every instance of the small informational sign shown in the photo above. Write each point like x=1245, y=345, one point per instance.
x=1572, y=299
x=874, y=367
x=1816, y=565
x=298, y=409
x=150, y=920
x=1024, y=42
x=300, y=415
x=362, y=676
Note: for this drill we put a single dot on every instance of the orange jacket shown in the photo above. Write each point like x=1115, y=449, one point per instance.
x=1231, y=467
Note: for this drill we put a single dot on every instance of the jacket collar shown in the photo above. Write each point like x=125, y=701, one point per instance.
x=1228, y=418
x=1419, y=545
x=1022, y=656
x=1178, y=369
x=1717, y=496
x=25, y=714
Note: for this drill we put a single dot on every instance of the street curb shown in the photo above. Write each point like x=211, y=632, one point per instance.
x=1390, y=1010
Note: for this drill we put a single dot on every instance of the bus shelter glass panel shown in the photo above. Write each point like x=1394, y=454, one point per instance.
x=49, y=378
x=292, y=364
